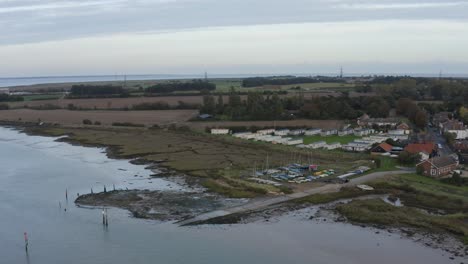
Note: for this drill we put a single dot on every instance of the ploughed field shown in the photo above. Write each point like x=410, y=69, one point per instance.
x=67, y=117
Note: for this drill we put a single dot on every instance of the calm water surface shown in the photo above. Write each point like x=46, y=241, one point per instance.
x=36, y=171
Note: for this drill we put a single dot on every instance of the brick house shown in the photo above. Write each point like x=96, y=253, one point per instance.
x=438, y=167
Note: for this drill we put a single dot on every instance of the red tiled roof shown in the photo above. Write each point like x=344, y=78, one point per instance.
x=417, y=148
x=387, y=147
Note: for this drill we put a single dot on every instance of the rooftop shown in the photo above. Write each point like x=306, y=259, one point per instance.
x=417, y=148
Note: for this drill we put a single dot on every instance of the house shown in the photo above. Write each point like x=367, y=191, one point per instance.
x=316, y=145
x=220, y=131
x=281, y=132
x=438, y=167
x=382, y=148
x=334, y=145
x=440, y=118
x=313, y=132
x=454, y=127
x=461, y=148
x=404, y=126
x=426, y=150
x=331, y=132
x=365, y=120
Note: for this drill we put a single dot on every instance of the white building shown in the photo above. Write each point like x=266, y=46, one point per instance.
x=296, y=132
x=220, y=131
x=316, y=145
x=329, y=132
x=294, y=142
x=313, y=132
x=4, y=91
x=282, y=132
x=266, y=131
x=335, y=145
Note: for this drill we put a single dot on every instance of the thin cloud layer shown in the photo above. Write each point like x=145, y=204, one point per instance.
x=42, y=20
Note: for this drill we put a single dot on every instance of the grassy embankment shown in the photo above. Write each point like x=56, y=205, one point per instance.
x=428, y=204
x=223, y=163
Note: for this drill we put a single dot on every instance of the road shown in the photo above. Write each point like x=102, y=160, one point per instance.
x=440, y=140
x=262, y=203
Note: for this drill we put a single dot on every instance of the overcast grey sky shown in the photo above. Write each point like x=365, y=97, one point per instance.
x=76, y=37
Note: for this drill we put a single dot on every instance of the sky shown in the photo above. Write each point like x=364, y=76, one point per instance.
x=93, y=37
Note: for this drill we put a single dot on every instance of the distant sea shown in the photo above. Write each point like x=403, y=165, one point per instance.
x=20, y=81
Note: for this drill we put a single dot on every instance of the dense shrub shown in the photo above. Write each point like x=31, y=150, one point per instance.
x=87, y=122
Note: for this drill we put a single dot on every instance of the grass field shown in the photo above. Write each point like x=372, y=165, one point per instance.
x=38, y=97
x=428, y=205
x=331, y=139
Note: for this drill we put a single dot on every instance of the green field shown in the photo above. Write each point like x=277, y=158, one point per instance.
x=331, y=139
x=224, y=86
x=36, y=97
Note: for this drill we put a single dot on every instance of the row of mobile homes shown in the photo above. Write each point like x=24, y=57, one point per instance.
x=345, y=132
x=282, y=132
x=317, y=145
x=330, y=132
x=357, y=146
x=363, y=132
x=266, y=132
x=297, y=132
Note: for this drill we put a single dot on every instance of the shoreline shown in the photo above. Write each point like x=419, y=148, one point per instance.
x=267, y=214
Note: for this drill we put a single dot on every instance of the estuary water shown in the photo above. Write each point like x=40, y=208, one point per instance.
x=35, y=173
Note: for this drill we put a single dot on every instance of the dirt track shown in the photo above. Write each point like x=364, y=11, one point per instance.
x=265, y=202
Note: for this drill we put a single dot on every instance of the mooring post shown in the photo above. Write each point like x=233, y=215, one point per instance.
x=107, y=218
x=26, y=241
x=66, y=194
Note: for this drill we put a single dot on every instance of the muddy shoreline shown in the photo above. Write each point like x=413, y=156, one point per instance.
x=156, y=205
x=176, y=206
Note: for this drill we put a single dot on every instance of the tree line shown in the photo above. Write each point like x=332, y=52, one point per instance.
x=194, y=85
x=89, y=90
x=285, y=80
x=260, y=107
x=10, y=98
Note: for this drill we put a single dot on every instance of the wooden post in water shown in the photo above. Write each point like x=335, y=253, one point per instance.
x=26, y=242
x=66, y=194
x=103, y=217
x=107, y=218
